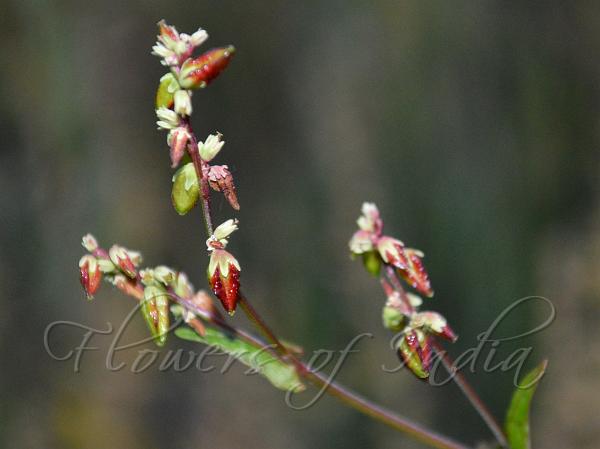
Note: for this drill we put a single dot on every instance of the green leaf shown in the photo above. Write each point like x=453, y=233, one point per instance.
x=281, y=375
x=186, y=190
x=517, y=417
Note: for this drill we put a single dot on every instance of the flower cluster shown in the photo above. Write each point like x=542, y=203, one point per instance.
x=370, y=242
x=173, y=111
x=153, y=287
x=193, y=180
x=401, y=310
x=174, y=47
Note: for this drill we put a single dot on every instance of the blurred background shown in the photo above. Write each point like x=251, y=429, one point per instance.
x=473, y=125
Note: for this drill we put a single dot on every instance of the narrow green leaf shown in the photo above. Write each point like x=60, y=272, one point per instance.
x=517, y=417
x=281, y=375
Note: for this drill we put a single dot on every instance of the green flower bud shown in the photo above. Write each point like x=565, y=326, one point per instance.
x=186, y=190
x=414, y=348
x=393, y=319
x=155, y=309
x=166, y=90
x=372, y=262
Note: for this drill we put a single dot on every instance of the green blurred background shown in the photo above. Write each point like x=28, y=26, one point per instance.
x=473, y=125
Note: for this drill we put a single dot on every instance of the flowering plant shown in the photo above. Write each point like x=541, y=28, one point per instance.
x=167, y=299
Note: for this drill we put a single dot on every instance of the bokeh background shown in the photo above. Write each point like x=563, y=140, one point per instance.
x=473, y=125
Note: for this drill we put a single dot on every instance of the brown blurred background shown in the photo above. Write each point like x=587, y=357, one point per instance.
x=473, y=125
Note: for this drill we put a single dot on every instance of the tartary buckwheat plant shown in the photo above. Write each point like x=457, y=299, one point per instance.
x=168, y=301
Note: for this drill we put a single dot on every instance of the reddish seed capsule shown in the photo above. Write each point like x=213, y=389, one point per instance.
x=221, y=180
x=224, y=278
x=414, y=350
x=89, y=275
x=414, y=273
x=197, y=73
x=122, y=259
x=227, y=289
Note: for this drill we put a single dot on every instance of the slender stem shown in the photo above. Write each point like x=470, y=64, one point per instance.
x=397, y=285
x=135, y=289
x=200, y=167
x=460, y=380
x=384, y=415
x=471, y=394
x=261, y=325
x=347, y=396
x=332, y=388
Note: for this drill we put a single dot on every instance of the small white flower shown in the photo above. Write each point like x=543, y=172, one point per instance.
x=164, y=274
x=198, y=37
x=220, y=234
x=161, y=51
x=391, y=251
x=361, y=242
x=172, y=45
x=415, y=300
x=429, y=320
x=106, y=266
x=183, y=102
x=167, y=119
x=147, y=276
x=173, y=85
x=370, y=220
x=210, y=147
x=222, y=260
x=92, y=263
x=135, y=256
x=225, y=229
x=183, y=287
x=89, y=242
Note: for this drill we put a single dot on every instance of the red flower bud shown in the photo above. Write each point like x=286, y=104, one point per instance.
x=414, y=272
x=392, y=252
x=223, y=277
x=197, y=73
x=177, y=139
x=122, y=259
x=415, y=350
x=89, y=275
x=167, y=31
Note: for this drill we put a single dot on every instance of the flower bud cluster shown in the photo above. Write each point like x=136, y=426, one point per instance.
x=99, y=263
x=153, y=287
x=174, y=47
x=401, y=310
x=174, y=107
x=191, y=181
x=370, y=242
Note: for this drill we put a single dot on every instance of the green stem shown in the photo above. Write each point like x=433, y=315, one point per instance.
x=332, y=388
x=471, y=395
x=458, y=378
x=199, y=166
